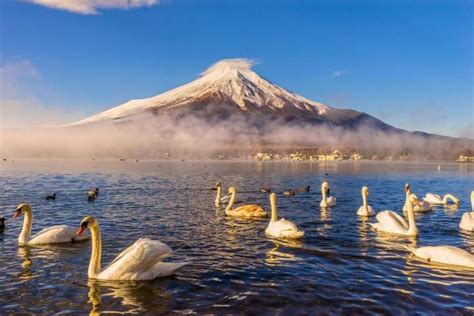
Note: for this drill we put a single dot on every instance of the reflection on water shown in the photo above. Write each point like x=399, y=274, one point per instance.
x=340, y=265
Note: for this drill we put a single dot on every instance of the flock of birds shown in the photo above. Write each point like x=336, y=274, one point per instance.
x=144, y=259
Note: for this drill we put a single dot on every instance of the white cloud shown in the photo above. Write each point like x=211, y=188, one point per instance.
x=338, y=73
x=93, y=6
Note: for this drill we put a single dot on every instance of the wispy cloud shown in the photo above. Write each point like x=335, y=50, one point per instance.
x=92, y=7
x=338, y=73
x=21, y=84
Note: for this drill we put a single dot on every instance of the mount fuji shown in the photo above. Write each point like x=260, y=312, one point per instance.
x=230, y=89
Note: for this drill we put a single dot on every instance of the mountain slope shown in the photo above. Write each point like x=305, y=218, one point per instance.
x=230, y=88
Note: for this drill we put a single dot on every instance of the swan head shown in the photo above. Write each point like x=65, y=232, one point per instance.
x=365, y=191
x=87, y=222
x=232, y=189
x=218, y=185
x=21, y=209
x=325, y=187
x=407, y=187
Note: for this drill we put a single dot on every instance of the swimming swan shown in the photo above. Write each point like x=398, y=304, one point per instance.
x=467, y=220
x=435, y=199
x=244, y=211
x=51, y=235
x=445, y=255
x=365, y=209
x=281, y=228
x=418, y=207
x=326, y=201
x=219, y=199
x=392, y=223
x=140, y=261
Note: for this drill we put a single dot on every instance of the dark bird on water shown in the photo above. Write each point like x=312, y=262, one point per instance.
x=289, y=192
x=51, y=196
x=2, y=223
x=266, y=190
x=304, y=189
x=92, y=194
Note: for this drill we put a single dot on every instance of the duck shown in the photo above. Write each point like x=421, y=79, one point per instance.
x=92, y=194
x=141, y=261
x=304, y=189
x=244, y=211
x=390, y=222
x=51, y=235
x=445, y=255
x=435, y=199
x=365, y=210
x=327, y=201
x=281, y=228
x=265, y=190
x=219, y=199
x=418, y=207
x=50, y=196
x=2, y=223
x=467, y=219
x=289, y=192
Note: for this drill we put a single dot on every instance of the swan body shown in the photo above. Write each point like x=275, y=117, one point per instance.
x=391, y=223
x=51, y=235
x=365, y=210
x=281, y=228
x=435, y=199
x=467, y=220
x=140, y=261
x=419, y=207
x=327, y=201
x=244, y=211
x=445, y=255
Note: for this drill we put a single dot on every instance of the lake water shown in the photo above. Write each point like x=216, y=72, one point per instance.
x=340, y=265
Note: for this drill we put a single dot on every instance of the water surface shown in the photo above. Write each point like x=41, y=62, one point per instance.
x=340, y=265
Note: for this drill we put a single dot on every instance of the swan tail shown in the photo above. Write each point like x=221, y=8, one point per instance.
x=163, y=269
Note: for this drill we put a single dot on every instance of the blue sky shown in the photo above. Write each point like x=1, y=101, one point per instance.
x=409, y=63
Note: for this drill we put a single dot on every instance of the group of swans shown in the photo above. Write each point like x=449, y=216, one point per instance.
x=390, y=222
x=140, y=261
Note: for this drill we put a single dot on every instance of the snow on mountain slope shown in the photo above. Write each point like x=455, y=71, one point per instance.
x=230, y=79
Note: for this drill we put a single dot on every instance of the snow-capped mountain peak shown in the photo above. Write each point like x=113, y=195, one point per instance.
x=229, y=79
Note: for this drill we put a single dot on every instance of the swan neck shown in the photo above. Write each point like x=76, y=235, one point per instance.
x=274, y=209
x=232, y=201
x=94, y=264
x=472, y=201
x=412, y=229
x=323, y=193
x=447, y=197
x=364, y=202
x=26, y=230
x=218, y=196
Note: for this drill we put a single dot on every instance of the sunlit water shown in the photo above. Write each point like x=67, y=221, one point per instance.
x=340, y=265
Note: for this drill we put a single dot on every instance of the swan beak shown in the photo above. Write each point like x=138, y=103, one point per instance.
x=17, y=213
x=80, y=230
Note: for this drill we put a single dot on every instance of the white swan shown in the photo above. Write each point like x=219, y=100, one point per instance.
x=435, y=199
x=219, y=199
x=51, y=235
x=392, y=223
x=281, y=228
x=418, y=207
x=326, y=201
x=467, y=220
x=365, y=209
x=445, y=255
x=140, y=261
x=244, y=211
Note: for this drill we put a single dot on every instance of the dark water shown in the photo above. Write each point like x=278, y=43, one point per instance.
x=339, y=266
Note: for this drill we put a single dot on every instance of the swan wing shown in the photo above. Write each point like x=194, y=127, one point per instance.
x=331, y=201
x=432, y=198
x=467, y=221
x=390, y=221
x=445, y=255
x=247, y=211
x=137, y=262
x=283, y=229
x=56, y=234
